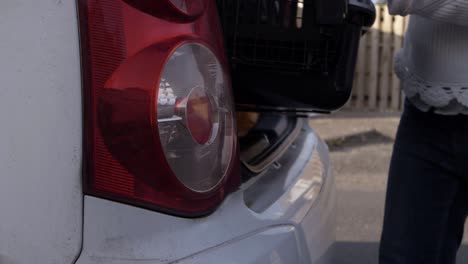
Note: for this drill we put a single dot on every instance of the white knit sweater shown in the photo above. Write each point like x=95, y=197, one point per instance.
x=433, y=65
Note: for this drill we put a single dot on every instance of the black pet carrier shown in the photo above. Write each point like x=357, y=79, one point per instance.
x=293, y=55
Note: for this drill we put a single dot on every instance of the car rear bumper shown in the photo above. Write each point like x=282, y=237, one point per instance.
x=297, y=227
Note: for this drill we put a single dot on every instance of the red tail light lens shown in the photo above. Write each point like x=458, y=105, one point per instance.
x=158, y=107
x=172, y=10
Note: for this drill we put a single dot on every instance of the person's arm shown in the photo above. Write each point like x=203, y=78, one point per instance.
x=449, y=11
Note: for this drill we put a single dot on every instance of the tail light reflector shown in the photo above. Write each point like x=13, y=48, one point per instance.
x=159, y=126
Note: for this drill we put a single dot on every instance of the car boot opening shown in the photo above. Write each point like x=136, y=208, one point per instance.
x=263, y=137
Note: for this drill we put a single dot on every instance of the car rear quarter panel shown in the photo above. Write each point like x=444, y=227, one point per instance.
x=297, y=228
x=40, y=132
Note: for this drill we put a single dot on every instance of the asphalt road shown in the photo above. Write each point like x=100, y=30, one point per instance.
x=360, y=153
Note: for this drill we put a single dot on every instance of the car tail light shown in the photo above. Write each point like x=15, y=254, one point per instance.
x=159, y=125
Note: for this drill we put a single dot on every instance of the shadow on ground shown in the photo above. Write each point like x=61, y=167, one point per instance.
x=367, y=253
x=364, y=138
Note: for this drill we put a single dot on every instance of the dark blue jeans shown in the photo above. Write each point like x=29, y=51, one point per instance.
x=427, y=193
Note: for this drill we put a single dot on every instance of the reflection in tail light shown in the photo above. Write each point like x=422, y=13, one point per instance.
x=158, y=106
x=180, y=4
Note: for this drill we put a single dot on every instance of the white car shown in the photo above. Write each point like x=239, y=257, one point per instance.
x=118, y=138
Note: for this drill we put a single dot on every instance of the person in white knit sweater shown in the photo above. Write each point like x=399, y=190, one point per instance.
x=427, y=194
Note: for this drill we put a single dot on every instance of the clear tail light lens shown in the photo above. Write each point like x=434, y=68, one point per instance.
x=195, y=117
x=159, y=127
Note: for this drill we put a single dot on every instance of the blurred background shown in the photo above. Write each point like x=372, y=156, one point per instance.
x=361, y=138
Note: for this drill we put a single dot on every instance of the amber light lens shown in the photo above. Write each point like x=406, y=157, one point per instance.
x=200, y=116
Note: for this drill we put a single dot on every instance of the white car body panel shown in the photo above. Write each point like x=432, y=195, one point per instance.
x=41, y=133
x=121, y=234
x=254, y=249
